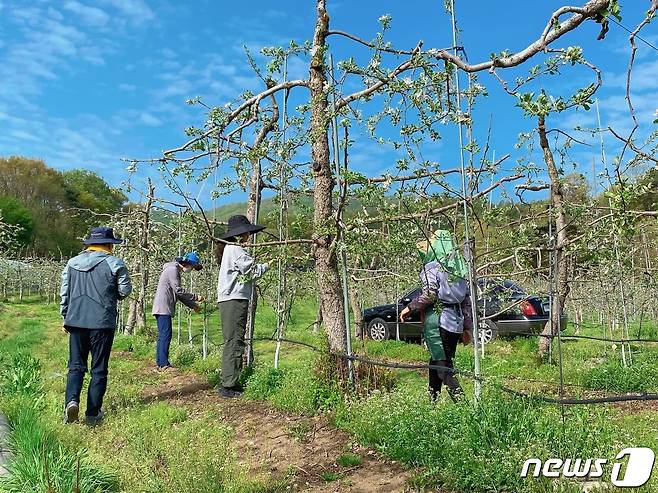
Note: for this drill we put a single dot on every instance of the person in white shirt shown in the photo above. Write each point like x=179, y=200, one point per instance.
x=236, y=274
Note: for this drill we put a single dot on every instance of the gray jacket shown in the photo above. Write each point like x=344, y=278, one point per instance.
x=92, y=283
x=169, y=290
x=236, y=274
x=453, y=296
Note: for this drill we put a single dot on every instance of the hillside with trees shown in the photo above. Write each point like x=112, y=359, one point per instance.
x=52, y=209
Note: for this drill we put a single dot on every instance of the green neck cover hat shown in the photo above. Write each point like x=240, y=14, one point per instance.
x=443, y=250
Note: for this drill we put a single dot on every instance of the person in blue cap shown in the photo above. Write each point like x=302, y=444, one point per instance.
x=170, y=291
x=92, y=284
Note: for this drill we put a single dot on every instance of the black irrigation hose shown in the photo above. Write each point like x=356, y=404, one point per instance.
x=540, y=398
x=410, y=366
x=471, y=375
x=271, y=339
x=592, y=338
x=594, y=400
x=291, y=341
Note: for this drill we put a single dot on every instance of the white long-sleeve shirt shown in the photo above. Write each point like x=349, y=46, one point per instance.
x=236, y=274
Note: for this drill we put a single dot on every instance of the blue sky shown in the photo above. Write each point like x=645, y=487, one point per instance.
x=86, y=83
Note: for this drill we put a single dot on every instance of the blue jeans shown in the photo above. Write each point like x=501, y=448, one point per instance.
x=164, y=340
x=98, y=342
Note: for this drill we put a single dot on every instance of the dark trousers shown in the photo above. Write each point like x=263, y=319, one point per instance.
x=438, y=377
x=81, y=343
x=164, y=340
x=233, y=315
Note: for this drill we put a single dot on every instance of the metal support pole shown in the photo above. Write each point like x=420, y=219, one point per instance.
x=468, y=245
x=180, y=252
x=281, y=299
x=342, y=252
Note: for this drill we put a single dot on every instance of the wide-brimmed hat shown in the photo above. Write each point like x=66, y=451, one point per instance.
x=192, y=259
x=239, y=225
x=102, y=235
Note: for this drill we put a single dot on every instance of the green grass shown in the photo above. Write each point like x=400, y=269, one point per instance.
x=43, y=463
x=330, y=476
x=461, y=448
x=349, y=460
x=474, y=449
x=141, y=446
x=148, y=447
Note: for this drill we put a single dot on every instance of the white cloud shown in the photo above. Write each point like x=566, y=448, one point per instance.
x=90, y=15
x=644, y=76
x=127, y=87
x=150, y=120
x=275, y=14
x=621, y=45
x=168, y=53
x=137, y=11
x=49, y=45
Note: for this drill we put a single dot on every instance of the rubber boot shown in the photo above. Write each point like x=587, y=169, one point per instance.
x=435, y=381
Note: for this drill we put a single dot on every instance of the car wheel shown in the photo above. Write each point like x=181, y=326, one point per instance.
x=487, y=331
x=378, y=329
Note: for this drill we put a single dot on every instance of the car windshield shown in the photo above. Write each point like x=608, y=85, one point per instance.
x=410, y=295
x=491, y=287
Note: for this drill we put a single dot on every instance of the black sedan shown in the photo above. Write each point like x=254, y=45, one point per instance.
x=509, y=310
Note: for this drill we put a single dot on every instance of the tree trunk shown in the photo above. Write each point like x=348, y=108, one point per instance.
x=560, y=271
x=326, y=265
x=137, y=312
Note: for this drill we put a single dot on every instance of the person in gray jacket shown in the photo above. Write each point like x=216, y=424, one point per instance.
x=236, y=273
x=92, y=284
x=164, y=305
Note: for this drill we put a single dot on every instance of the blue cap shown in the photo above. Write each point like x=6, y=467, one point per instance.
x=193, y=259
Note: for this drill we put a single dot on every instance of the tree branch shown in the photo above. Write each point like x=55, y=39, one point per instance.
x=581, y=14
x=254, y=100
x=416, y=215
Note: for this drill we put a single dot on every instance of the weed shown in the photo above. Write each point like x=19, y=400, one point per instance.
x=300, y=430
x=613, y=376
x=459, y=443
x=349, y=459
x=41, y=463
x=20, y=374
x=184, y=355
x=329, y=476
x=332, y=372
x=264, y=381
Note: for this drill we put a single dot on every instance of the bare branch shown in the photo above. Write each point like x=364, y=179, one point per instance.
x=254, y=100
x=570, y=137
x=438, y=210
x=533, y=188
x=629, y=142
x=631, y=61
x=581, y=14
x=379, y=84
x=368, y=44
x=417, y=176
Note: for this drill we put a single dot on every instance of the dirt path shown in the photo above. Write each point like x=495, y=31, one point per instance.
x=282, y=445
